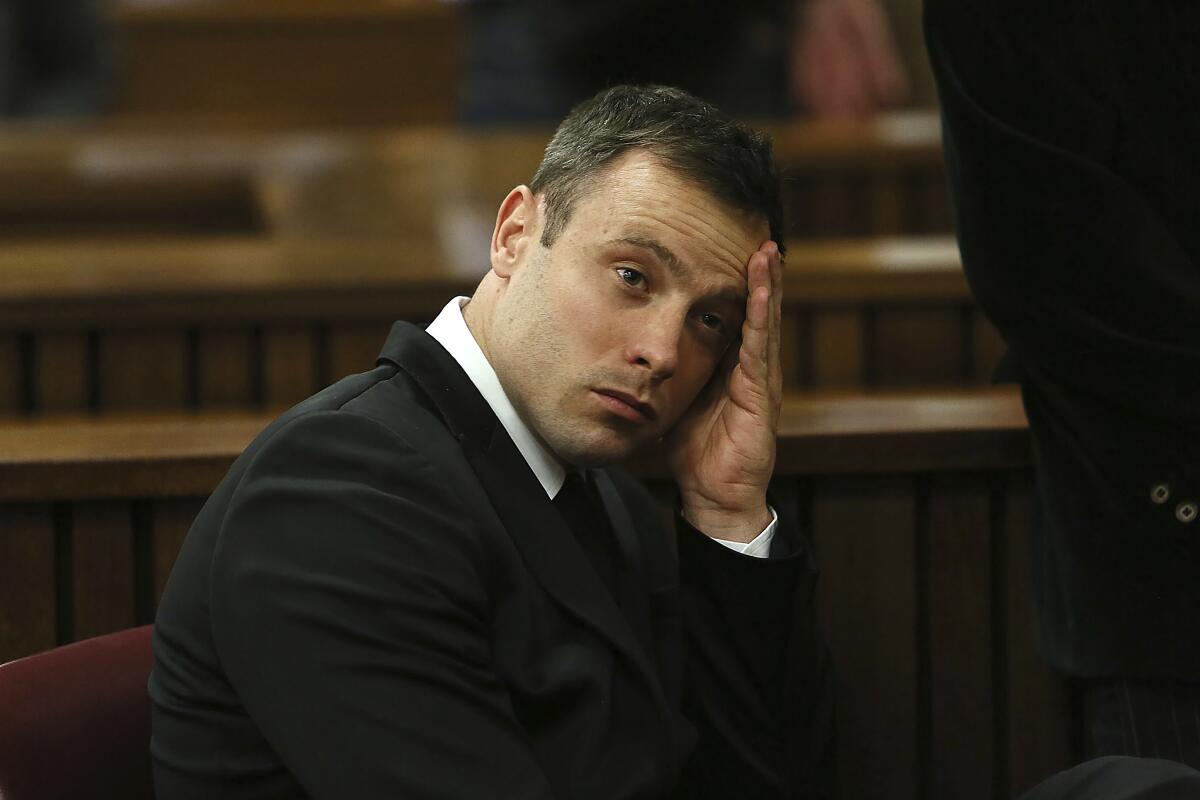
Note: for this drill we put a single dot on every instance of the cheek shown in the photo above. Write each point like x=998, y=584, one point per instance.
x=590, y=316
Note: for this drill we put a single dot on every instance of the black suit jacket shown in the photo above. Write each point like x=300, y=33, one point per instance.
x=379, y=601
x=1072, y=138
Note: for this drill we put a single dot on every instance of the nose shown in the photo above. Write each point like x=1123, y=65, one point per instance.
x=654, y=345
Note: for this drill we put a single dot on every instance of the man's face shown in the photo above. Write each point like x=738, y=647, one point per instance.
x=604, y=339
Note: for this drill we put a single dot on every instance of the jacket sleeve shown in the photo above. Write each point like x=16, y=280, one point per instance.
x=757, y=680
x=349, y=615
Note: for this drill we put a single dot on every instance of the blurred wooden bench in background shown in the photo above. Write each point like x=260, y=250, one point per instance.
x=918, y=506
x=252, y=323
x=278, y=63
x=881, y=177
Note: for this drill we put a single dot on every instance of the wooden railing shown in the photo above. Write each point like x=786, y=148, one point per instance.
x=918, y=507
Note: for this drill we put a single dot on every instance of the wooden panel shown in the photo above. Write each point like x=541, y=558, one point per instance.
x=863, y=531
x=354, y=347
x=227, y=368
x=283, y=64
x=960, y=637
x=917, y=347
x=886, y=204
x=835, y=206
x=62, y=371
x=936, y=216
x=143, y=370
x=989, y=348
x=837, y=347
x=289, y=365
x=27, y=596
x=795, y=350
x=1039, y=727
x=172, y=519
x=81, y=203
x=825, y=203
x=102, y=560
x=10, y=373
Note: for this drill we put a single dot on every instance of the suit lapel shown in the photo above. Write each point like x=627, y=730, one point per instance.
x=549, y=549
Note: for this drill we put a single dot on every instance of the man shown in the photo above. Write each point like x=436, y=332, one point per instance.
x=422, y=582
x=1071, y=137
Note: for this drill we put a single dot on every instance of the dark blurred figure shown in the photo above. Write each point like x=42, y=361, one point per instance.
x=1072, y=136
x=55, y=58
x=530, y=61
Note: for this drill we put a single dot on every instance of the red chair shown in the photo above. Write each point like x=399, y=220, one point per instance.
x=75, y=721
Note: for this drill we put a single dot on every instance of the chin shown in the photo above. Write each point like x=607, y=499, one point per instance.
x=597, y=451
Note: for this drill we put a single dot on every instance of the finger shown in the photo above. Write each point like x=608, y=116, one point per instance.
x=774, y=365
x=756, y=329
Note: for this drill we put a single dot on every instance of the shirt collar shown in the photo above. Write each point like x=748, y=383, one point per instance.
x=451, y=331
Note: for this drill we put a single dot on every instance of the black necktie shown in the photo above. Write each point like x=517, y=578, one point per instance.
x=581, y=507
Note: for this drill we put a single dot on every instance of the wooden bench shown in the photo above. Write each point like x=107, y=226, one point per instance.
x=248, y=323
x=870, y=178
x=275, y=63
x=918, y=506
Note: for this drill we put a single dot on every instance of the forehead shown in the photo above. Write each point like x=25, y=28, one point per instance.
x=638, y=197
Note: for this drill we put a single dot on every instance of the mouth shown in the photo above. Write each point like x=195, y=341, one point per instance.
x=625, y=405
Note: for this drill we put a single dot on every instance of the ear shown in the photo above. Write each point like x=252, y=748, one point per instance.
x=516, y=231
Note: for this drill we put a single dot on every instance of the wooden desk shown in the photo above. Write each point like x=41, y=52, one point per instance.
x=918, y=507
x=247, y=322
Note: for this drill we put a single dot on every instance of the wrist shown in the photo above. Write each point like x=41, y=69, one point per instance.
x=734, y=525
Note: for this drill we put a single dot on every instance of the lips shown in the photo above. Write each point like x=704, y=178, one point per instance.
x=626, y=405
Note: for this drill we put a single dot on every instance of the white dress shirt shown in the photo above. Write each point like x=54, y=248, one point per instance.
x=451, y=331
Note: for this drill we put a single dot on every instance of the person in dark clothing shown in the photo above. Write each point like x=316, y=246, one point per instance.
x=1071, y=133
x=426, y=581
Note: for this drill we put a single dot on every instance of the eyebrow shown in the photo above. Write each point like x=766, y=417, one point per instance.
x=668, y=257
x=664, y=253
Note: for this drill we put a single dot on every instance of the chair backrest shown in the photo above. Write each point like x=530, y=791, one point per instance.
x=75, y=721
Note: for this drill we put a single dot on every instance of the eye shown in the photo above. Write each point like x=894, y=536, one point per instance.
x=713, y=322
x=631, y=277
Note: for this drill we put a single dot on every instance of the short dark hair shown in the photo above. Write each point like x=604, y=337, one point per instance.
x=689, y=135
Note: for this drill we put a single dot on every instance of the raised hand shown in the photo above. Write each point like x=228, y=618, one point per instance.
x=722, y=452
